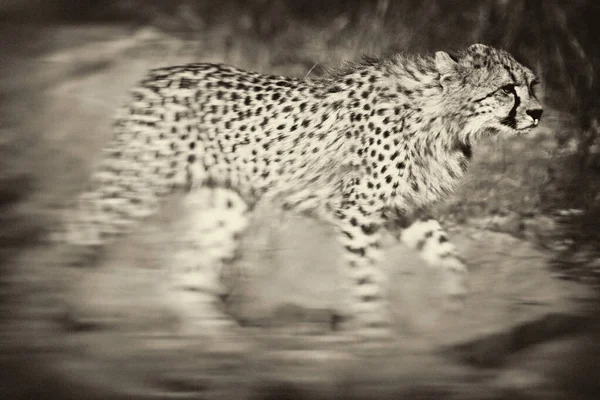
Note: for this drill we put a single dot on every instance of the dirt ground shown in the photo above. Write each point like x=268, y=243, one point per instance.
x=109, y=331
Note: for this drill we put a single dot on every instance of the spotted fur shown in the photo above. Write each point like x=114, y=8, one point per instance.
x=372, y=141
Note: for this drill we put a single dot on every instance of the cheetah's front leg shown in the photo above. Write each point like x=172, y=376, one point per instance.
x=367, y=284
x=425, y=234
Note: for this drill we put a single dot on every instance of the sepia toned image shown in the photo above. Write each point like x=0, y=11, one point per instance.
x=276, y=199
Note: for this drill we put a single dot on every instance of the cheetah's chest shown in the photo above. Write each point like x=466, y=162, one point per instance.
x=433, y=178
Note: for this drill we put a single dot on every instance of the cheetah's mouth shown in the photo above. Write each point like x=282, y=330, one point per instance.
x=514, y=129
x=520, y=125
x=527, y=128
x=514, y=125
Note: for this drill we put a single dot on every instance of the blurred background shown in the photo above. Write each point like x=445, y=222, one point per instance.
x=67, y=64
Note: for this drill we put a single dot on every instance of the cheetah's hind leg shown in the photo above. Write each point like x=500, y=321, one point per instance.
x=366, y=281
x=204, y=241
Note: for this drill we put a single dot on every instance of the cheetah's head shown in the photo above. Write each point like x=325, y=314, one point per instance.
x=496, y=92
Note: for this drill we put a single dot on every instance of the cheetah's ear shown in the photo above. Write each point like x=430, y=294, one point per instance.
x=445, y=63
x=447, y=66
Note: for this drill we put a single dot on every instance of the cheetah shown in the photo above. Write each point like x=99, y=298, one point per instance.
x=367, y=147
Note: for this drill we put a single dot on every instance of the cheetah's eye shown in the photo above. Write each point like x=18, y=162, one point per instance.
x=533, y=85
x=508, y=89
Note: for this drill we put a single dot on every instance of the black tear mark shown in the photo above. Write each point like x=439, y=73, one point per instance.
x=421, y=244
x=442, y=239
x=511, y=119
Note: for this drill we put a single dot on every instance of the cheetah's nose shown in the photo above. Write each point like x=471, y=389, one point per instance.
x=535, y=115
